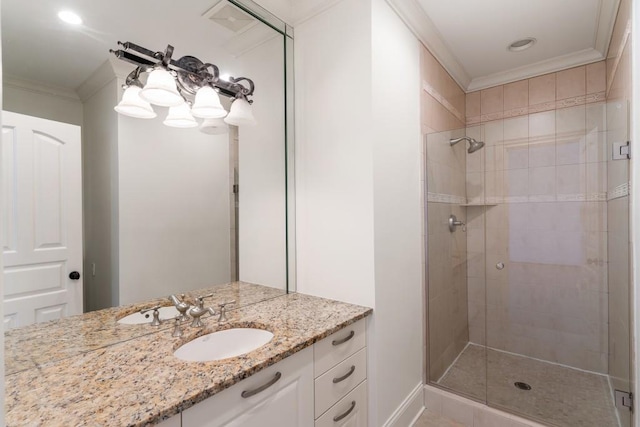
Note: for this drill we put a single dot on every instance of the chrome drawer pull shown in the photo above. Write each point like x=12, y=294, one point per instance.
x=249, y=393
x=343, y=340
x=345, y=376
x=339, y=417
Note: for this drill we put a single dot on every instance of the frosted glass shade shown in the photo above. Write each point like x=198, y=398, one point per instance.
x=240, y=114
x=161, y=89
x=214, y=126
x=133, y=106
x=180, y=117
x=207, y=104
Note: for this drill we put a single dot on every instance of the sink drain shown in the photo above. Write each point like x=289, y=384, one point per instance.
x=522, y=386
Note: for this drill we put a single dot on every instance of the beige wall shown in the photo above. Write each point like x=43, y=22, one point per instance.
x=542, y=175
x=618, y=107
x=442, y=100
x=442, y=112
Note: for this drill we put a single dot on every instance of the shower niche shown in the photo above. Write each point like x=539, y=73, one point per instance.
x=528, y=303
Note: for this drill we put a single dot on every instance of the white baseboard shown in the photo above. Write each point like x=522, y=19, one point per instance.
x=410, y=409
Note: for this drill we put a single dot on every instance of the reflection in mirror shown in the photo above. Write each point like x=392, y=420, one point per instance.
x=126, y=210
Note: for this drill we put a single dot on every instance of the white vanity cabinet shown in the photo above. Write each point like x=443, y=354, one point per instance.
x=280, y=395
x=340, y=385
x=323, y=386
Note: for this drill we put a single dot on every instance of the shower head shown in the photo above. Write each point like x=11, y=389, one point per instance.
x=473, y=144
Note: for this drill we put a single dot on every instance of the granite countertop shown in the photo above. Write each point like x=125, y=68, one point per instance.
x=139, y=382
x=31, y=346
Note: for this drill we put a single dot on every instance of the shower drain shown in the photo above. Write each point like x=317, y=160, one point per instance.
x=522, y=386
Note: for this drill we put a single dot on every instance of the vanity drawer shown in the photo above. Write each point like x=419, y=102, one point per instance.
x=343, y=412
x=338, y=346
x=337, y=382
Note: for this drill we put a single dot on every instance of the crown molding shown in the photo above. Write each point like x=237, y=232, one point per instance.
x=606, y=23
x=110, y=69
x=558, y=63
x=423, y=28
x=40, y=88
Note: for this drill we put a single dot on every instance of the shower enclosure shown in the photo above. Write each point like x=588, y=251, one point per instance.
x=528, y=264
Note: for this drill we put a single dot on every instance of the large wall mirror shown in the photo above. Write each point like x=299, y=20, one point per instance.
x=159, y=210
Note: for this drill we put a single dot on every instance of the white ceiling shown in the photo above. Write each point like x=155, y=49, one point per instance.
x=38, y=47
x=470, y=37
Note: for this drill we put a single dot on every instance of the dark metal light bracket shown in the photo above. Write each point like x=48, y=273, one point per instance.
x=192, y=74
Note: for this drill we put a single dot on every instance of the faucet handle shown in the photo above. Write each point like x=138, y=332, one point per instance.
x=177, y=330
x=223, y=312
x=156, y=315
x=200, y=299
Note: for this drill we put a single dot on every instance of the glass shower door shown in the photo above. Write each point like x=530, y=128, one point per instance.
x=455, y=268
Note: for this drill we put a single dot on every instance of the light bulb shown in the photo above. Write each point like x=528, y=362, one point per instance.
x=207, y=104
x=180, y=117
x=134, y=106
x=161, y=89
x=240, y=114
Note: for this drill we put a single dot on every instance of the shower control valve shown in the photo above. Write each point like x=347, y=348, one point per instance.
x=453, y=223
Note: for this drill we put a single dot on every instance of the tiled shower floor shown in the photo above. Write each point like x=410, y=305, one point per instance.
x=559, y=396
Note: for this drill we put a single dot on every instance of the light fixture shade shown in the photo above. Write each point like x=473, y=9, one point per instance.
x=240, y=114
x=214, y=126
x=207, y=104
x=161, y=89
x=133, y=106
x=180, y=117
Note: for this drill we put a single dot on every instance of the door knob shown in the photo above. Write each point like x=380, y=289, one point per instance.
x=74, y=275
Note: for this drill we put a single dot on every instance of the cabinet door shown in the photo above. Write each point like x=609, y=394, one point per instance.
x=288, y=402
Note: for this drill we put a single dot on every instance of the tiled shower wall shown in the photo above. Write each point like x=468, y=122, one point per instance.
x=543, y=176
x=443, y=113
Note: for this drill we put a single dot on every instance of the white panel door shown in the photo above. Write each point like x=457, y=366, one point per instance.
x=42, y=219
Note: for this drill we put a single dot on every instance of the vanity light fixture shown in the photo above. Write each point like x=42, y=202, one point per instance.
x=190, y=88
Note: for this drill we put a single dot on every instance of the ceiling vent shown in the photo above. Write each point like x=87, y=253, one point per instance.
x=230, y=17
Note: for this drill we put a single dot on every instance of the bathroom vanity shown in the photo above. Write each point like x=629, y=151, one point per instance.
x=312, y=372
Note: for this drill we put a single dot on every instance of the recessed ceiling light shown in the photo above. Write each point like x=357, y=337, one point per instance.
x=69, y=17
x=523, y=44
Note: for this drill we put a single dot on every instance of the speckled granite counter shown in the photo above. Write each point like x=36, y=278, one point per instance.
x=139, y=382
x=34, y=345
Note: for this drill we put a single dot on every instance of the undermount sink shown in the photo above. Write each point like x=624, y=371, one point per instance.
x=223, y=344
x=136, y=318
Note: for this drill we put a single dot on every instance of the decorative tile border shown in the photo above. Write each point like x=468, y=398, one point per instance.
x=538, y=108
x=446, y=198
x=442, y=100
x=621, y=190
x=495, y=200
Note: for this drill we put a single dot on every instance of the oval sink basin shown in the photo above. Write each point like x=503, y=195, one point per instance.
x=137, y=319
x=223, y=344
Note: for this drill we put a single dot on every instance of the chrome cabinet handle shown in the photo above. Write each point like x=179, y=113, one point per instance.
x=345, y=376
x=344, y=340
x=249, y=393
x=339, y=417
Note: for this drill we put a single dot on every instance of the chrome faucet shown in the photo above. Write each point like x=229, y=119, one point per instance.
x=181, y=305
x=199, y=310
